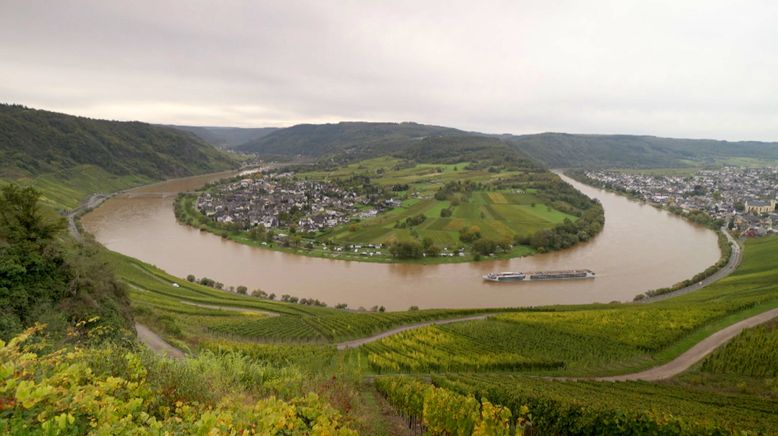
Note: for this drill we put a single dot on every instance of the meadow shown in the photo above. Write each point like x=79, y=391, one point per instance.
x=498, y=214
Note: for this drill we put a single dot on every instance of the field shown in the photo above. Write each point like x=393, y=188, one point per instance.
x=499, y=215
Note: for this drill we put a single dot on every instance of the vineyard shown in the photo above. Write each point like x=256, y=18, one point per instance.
x=190, y=312
x=753, y=353
x=431, y=349
x=439, y=411
x=567, y=407
x=110, y=390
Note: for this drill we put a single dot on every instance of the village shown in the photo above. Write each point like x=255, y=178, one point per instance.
x=280, y=201
x=744, y=199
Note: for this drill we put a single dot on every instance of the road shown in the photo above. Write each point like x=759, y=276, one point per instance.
x=90, y=203
x=729, y=268
x=231, y=308
x=696, y=353
x=156, y=343
x=357, y=342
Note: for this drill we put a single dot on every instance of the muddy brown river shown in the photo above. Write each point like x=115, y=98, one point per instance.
x=640, y=248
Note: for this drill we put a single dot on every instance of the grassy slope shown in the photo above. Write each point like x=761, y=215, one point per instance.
x=182, y=313
x=68, y=157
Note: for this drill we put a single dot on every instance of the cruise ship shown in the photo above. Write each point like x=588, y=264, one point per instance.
x=540, y=275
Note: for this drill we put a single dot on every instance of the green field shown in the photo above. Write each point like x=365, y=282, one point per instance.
x=506, y=205
x=499, y=214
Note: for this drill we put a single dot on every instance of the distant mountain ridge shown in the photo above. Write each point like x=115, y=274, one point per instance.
x=355, y=138
x=581, y=150
x=365, y=139
x=226, y=137
x=34, y=142
x=69, y=157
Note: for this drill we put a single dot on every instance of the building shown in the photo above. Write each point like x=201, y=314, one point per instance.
x=759, y=206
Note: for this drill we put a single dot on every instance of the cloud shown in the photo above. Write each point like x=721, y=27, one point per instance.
x=689, y=69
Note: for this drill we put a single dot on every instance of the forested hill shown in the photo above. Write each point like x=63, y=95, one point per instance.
x=360, y=139
x=227, y=137
x=67, y=158
x=574, y=150
x=34, y=142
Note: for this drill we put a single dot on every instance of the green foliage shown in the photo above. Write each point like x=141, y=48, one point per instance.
x=406, y=249
x=109, y=390
x=563, y=150
x=44, y=148
x=753, y=353
x=44, y=278
x=629, y=408
x=358, y=139
x=441, y=411
x=433, y=349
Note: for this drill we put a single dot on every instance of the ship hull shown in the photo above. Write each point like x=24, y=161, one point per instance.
x=539, y=276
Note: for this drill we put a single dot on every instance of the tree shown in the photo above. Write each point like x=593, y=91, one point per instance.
x=243, y=290
x=21, y=218
x=191, y=278
x=406, y=249
x=485, y=246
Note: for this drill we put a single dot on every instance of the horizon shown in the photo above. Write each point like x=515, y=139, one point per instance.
x=656, y=69
x=397, y=122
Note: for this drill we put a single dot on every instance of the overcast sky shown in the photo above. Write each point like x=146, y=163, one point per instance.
x=671, y=68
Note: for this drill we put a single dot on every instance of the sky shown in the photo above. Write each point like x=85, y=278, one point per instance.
x=701, y=69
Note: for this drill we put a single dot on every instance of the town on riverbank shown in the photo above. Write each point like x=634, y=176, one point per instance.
x=742, y=199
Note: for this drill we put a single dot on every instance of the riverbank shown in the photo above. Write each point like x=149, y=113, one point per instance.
x=444, y=214
x=727, y=246
x=638, y=245
x=186, y=214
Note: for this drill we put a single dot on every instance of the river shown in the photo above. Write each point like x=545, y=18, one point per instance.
x=640, y=248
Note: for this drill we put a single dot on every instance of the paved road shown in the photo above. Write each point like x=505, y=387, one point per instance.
x=156, y=343
x=357, y=342
x=90, y=203
x=696, y=353
x=729, y=268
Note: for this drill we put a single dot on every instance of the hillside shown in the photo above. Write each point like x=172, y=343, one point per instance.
x=354, y=138
x=227, y=137
x=68, y=157
x=573, y=150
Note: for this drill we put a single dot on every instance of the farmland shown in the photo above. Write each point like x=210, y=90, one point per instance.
x=443, y=208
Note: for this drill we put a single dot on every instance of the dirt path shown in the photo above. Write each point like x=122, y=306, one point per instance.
x=357, y=342
x=231, y=308
x=156, y=343
x=696, y=353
